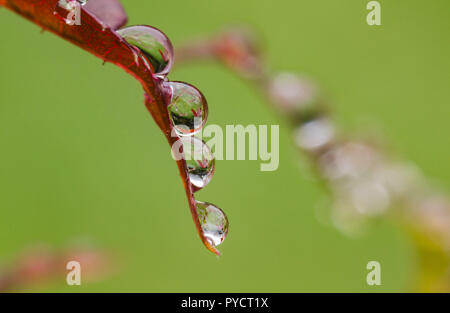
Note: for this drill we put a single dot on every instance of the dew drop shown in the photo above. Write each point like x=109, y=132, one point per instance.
x=154, y=44
x=370, y=198
x=199, y=160
x=314, y=134
x=187, y=108
x=214, y=222
x=293, y=94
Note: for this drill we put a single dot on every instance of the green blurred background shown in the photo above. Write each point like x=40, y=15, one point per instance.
x=81, y=157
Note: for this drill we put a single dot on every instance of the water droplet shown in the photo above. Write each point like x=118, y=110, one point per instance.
x=199, y=160
x=349, y=160
x=293, y=94
x=187, y=108
x=154, y=44
x=399, y=178
x=314, y=134
x=214, y=222
x=369, y=198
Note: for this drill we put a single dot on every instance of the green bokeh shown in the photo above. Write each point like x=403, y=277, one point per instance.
x=81, y=157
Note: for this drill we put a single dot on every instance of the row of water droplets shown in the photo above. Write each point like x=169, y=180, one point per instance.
x=187, y=110
x=364, y=183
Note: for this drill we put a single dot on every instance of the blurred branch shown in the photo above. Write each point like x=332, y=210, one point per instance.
x=364, y=180
x=40, y=265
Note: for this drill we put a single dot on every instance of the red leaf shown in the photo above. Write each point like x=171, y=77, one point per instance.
x=96, y=37
x=109, y=12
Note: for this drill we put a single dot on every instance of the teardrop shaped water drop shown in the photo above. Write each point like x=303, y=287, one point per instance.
x=199, y=160
x=154, y=44
x=214, y=222
x=187, y=108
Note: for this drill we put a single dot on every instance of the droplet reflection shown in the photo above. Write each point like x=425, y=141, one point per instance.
x=199, y=160
x=214, y=222
x=187, y=108
x=154, y=44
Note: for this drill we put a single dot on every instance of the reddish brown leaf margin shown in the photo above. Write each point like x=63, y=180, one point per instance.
x=97, y=38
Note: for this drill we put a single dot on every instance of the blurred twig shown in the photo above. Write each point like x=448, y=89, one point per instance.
x=364, y=180
x=40, y=265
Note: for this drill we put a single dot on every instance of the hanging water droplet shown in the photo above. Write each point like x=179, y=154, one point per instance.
x=199, y=160
x=293, y=95
x=187, y=108
x=369, y=197
x=154, y=44
x=214, y=222
x=314, y=134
